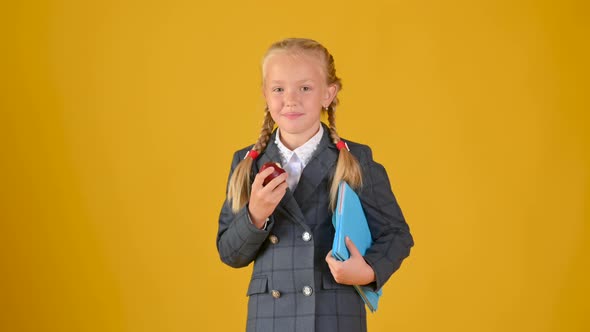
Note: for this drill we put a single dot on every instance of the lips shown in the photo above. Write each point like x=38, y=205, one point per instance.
x=292, y=115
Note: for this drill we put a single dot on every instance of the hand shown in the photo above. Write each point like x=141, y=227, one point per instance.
x=354, y=270
x=264, y=199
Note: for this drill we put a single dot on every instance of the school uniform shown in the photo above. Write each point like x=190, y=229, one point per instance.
x=291, y=288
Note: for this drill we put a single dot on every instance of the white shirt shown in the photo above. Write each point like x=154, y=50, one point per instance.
x=304, y=152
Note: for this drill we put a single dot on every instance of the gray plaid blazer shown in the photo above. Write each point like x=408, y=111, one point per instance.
x=291, y=288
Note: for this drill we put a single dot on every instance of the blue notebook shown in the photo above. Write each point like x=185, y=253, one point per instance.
x=349, y=220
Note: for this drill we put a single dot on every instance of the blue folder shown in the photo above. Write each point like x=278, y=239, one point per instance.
x=349, y=220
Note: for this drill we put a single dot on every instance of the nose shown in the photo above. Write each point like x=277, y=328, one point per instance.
x=290, y=98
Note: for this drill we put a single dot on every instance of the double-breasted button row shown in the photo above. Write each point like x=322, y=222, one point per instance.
x=306, y=290
x=306, y=236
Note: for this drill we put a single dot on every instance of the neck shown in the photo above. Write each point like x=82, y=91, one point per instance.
x=293, y=141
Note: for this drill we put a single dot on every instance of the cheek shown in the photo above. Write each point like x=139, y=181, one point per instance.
x=274, y=107
x=274, y=102
x=270, y=99
x=315, y=100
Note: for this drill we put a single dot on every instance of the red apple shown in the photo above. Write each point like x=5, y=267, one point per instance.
x=277, y=171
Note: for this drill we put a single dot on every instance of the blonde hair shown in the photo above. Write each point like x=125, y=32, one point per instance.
x=347, y=167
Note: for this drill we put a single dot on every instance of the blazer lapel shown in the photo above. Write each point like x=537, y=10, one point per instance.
x=288, y=204
x=271, y=153
x=319, y=167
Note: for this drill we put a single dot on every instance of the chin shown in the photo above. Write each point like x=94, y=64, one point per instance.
x=292, y=129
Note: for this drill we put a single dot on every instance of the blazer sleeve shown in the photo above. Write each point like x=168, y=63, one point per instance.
x=392, y=240
x=238, y=240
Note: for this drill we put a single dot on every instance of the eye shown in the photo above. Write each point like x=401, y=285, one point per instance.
x=306, y=88
x=277, y=89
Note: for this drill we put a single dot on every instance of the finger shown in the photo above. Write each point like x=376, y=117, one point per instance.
x=331, y=260
x=329, y=256
x=266, y=172
x=281, y=189
x=331, y=263
x=262, y=175
x=352, y=248
x=276, y=181
x=278, y=185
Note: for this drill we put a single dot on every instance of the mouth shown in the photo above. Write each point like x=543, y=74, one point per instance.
x=292, y=115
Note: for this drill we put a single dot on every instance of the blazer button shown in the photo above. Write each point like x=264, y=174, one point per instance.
x=273, y=239
x=275, y=293
x=306, y=236
x=307, y=290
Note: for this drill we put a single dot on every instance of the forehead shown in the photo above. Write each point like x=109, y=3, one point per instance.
x=283, y=64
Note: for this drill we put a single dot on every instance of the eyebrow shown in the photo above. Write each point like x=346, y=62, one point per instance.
x=300, y=81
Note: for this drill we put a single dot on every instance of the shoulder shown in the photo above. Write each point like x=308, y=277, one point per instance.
x=374, y=174
x=240, y=154
x=364, y=155
x=362, y=152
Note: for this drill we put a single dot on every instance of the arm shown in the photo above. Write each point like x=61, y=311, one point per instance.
x=391, y=235
x=392, y=240
x=238, y=238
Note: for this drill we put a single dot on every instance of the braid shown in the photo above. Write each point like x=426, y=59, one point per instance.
x=332, y=122
x=238, y=192
x=347, y=167
x=265, y=132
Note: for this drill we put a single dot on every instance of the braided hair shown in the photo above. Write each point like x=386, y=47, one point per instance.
x=347, y=167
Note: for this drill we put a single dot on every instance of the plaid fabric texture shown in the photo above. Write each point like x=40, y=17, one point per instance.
x=291, y=288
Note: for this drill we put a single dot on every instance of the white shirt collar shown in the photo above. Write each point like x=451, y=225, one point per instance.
x=304, y=152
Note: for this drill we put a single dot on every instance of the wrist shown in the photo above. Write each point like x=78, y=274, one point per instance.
x=259, y=223
x=369, y=275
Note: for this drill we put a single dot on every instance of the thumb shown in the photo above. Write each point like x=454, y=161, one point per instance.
x=352, y=248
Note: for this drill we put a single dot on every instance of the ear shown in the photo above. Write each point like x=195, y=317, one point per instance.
x=330, y=94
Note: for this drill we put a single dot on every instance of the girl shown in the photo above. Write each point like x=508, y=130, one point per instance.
x=285, y=226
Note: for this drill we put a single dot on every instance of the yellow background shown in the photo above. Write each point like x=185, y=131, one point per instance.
x=119, y=118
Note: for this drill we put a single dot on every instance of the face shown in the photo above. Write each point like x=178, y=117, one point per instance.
x=295, y=90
